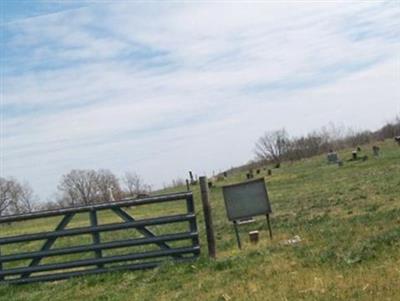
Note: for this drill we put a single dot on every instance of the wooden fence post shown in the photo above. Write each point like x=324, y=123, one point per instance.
x=207, y=217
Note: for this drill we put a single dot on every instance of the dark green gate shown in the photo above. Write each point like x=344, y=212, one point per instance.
x=32, y=256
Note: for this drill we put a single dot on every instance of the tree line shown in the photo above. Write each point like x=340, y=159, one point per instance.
x=76, y=188
x=277, y=146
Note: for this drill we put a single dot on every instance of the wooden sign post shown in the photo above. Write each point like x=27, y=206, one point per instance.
x=245, y=200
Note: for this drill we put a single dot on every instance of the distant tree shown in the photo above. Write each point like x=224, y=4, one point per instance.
x=108, y=187
x=23, y=200
x=272, y=146
x=79, y=187
x=15, y=198
x=5, y=194
x=134, y=184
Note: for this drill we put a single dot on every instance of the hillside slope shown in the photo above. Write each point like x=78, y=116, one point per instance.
x=347, y=217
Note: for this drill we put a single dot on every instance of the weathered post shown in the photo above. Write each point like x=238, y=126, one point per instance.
x=207, y=217
x=269, y=172
x=1, y=268
x=187, y=185
x=191, y=178
x=254, y=236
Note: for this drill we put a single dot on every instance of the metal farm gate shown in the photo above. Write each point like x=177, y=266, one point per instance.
x=83, y=248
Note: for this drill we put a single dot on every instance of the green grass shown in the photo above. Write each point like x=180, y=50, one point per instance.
x=347, y=217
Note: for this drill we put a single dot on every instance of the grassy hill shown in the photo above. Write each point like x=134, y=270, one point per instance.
x=347, y=217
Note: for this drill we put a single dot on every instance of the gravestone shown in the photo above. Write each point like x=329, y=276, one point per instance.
x=354, y=155
x=375, y=150
x=332, y=157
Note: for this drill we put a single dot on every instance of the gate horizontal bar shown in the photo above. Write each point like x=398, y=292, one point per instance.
x=95, y=261
x=128, y=202
x=101, y=246
x=102, y=228
x=66, y=275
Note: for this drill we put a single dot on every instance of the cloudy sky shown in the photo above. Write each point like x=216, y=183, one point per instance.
x=160, y=88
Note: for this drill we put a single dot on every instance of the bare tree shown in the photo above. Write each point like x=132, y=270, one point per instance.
x=23, y=199
x=108, y=188
x=15, y=198
x=272, y=146
x=79, y=187
x=134, y=184
x=5, y=195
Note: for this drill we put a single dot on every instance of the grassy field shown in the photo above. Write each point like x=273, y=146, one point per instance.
x=347, y=217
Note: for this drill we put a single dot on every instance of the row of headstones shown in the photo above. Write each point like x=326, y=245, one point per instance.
x=333, y=157
x=194, y=180
x=250, y=174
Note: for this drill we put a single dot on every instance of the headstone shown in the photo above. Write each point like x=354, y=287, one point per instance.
x=375, y=150
x=269, y=172
x=225, y=174
x=258, y=171
x=354, y=155
x=220, y=178
x=278, y=165
x=210, y=184
x=397, y=139
x=332, y=157
x=358, y=148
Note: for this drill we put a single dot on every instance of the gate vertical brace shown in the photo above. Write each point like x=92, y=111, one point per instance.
x=142, y=229
x=96, y=236
x=49, y=242
x=192, y=223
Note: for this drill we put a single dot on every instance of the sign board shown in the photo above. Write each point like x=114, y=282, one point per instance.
x=247, y=199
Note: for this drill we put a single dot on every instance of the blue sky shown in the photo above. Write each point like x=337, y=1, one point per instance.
x=160, y=88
